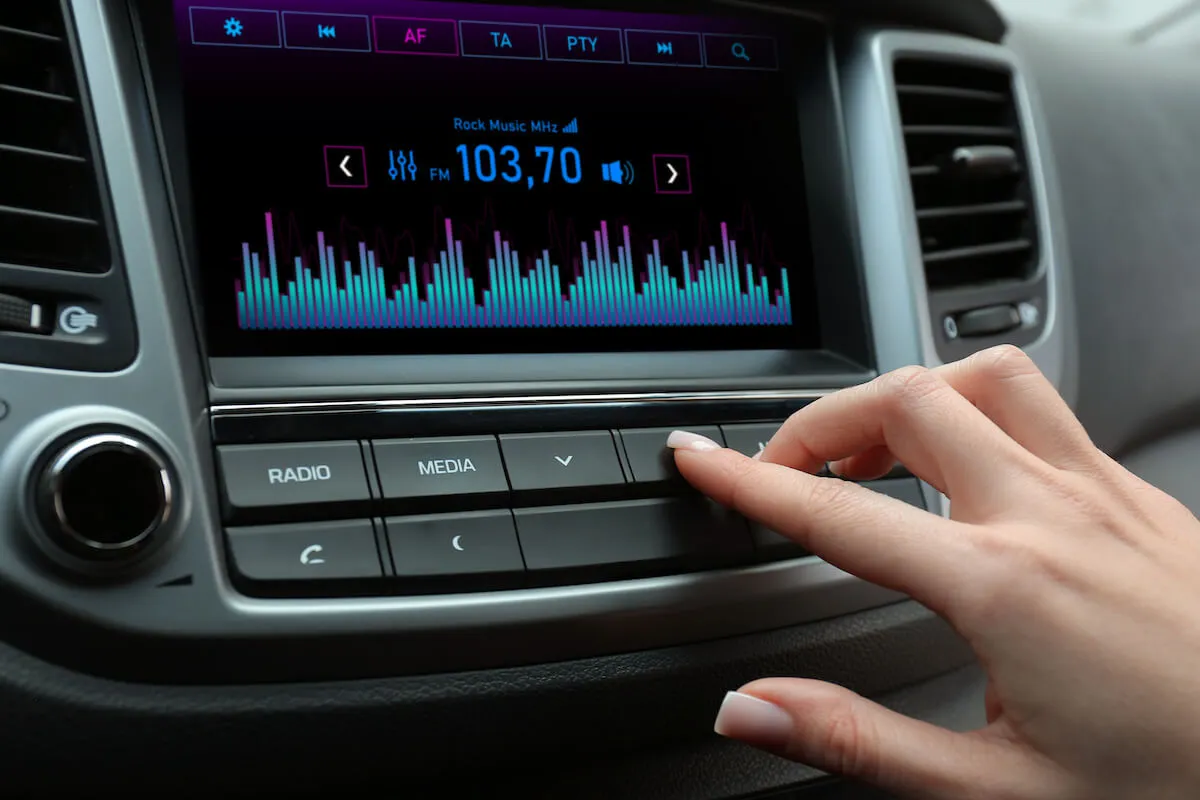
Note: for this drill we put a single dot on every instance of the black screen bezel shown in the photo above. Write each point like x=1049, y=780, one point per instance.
x=846, y=356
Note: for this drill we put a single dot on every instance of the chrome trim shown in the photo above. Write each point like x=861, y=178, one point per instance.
x=98, y=443
x=597, y=400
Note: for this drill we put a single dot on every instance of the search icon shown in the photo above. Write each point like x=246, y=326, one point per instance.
x=739, y=51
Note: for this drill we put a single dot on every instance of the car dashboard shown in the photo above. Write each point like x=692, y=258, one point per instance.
x=339, y=344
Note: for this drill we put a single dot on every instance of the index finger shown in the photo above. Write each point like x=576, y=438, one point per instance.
x=931, y=428
x=877, y=538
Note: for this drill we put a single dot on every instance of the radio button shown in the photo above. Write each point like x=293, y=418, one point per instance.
x=421, y=468
x=562, y=460
x=479, y=543
x=263, y=476
x=315, y=552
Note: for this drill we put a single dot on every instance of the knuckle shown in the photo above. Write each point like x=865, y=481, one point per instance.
x=1006, y=361
x=908, y=385
x=846, y=741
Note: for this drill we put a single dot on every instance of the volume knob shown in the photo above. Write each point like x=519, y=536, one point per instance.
x=105, y=496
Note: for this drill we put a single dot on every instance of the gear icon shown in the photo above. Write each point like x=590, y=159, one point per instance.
x=233, y=27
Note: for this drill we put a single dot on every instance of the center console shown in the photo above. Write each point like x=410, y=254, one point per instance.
x=404, y=298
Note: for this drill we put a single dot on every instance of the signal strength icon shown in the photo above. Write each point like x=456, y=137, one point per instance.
x=572, y=126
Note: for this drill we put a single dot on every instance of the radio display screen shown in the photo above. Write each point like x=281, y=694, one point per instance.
x=399, y=177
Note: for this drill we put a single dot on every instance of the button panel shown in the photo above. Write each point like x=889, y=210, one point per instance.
x=473, y=513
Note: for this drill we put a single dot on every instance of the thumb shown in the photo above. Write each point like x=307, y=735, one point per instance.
x=838, y=731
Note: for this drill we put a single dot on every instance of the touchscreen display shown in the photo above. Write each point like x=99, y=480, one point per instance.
x=396, y=177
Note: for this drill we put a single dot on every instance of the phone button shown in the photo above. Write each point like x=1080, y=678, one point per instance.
x=321, y=551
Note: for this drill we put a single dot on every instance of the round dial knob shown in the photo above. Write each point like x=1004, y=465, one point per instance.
x=105, y=496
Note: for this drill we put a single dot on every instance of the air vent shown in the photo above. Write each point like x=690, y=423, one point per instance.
x=50, y=211
x=969, y=172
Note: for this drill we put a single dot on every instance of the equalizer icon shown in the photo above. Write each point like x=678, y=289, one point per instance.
x=618, y=172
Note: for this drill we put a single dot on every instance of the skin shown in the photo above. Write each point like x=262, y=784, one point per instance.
x=1075, y=582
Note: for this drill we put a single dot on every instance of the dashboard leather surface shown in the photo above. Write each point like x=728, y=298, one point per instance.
x=517, y=720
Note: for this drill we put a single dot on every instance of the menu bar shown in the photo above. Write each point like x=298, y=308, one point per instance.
x=418, y=36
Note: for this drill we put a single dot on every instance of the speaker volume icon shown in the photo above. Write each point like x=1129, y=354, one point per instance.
x=618, y=172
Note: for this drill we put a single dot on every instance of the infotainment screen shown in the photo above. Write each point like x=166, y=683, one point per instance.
x=396, y=177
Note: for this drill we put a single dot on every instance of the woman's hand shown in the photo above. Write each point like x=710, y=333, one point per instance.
x=1076, y=583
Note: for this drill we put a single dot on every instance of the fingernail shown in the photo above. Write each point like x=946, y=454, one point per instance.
x=686, y=440
x=835, y=468
x=753, y=721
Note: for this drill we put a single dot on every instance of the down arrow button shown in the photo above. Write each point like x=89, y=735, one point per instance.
x=580, y=460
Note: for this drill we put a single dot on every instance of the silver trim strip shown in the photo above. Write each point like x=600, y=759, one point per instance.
x=599, y=400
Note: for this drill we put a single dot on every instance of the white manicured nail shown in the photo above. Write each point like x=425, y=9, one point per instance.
x=686, y=440
x=754, y=721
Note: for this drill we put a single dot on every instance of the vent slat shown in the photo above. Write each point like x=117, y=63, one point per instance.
x=999, y=248
x=952, y=92
x=1011, y=207
x=51, y=216
x=976, y=225
x=981, y=131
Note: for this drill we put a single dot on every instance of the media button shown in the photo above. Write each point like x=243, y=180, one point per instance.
x=423, y=468
x=501, y=40
x=600, y=45
x=313, y=552
x=664, y=48
x=267, y=476
x=416, y=36
x=735, y=51
x=234, y=27
x=346, y=32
